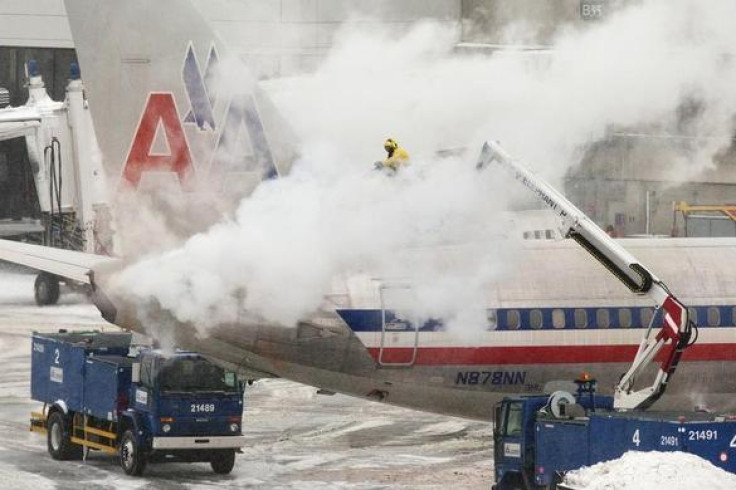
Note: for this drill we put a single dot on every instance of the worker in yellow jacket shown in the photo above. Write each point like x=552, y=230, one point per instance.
x=397, y=156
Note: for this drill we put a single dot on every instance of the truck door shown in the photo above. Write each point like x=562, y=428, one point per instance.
x=498, y=422
x=399, y=328
x=143, y=391
x=509, y=440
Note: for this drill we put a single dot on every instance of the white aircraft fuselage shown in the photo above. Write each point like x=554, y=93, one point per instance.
x=558, y=315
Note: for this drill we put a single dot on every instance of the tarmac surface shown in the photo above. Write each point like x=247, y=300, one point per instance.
x=296, y=438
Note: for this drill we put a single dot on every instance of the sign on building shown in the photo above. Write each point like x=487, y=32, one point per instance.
x=592, y=9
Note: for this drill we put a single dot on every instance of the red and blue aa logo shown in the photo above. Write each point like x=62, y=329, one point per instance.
x=241, y=120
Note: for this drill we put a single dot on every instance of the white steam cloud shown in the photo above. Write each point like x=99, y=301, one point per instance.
x=633, y=71
x=332, y=216
x=293, y=237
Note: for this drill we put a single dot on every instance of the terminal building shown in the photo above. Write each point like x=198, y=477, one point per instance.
x=622, y=182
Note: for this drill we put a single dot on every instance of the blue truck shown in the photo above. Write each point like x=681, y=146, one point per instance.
x=99, y=392
x=537, y=439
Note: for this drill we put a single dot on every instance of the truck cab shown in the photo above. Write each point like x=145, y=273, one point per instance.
x=513, y=441
x=516, y=430
x=190, y=407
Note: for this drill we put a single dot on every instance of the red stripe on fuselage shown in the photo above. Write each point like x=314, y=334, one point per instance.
x=576, y=354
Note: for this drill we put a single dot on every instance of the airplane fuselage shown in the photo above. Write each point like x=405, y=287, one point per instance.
x=557, y=315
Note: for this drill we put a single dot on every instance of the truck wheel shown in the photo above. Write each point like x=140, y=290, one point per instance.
x=59, y=441
x=512, y=481
x=223, y=462
x=132, y=459
x=46, y=289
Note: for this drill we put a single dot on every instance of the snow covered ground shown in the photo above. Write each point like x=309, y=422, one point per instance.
x=296, y=438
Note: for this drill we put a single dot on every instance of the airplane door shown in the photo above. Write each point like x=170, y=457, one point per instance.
x=399, y=329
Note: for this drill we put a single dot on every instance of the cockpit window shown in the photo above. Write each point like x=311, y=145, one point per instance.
x=194, y=374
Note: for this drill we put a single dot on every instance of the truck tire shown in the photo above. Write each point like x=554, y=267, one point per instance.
x=46, y=289
x=223, y=461
x=512, y=481
x=58, y=439
x=132, y=459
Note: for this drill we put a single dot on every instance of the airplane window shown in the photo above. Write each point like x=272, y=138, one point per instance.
x=646, y=316
x=558, y=318
x=535, y=318
x=527, y=235
x=581, y=318
x=492, y=319
x=693, y=314
x=714, y=316
x=549, y=234
x=602, y=318
x=513, y=319
x=624, y=317
x=537, y=234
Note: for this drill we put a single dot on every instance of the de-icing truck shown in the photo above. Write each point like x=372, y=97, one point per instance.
x=145, y=406
x=539, y=438
x=535, y=442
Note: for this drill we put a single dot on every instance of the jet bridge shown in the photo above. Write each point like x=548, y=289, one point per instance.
x=69, y=180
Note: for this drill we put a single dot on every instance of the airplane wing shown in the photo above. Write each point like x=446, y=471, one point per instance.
x=68, y=264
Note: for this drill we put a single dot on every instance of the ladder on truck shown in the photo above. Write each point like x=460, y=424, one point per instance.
x=676, y=331
x=101, y=436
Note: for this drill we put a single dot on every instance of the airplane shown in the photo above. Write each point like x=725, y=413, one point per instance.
x=558, y=314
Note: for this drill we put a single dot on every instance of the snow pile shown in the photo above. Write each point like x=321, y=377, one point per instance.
x=652, y=471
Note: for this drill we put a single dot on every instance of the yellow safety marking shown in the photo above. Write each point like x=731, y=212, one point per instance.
x=685, y=208
x=38, y=423
x=94, y=445
x=99, y=432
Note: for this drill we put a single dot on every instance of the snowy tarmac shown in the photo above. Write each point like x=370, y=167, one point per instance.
x=296, y=438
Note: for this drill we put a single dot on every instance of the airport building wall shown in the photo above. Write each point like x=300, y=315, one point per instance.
x=278, y=37
x=627, y=182
x=617, y=176
x=528, y=22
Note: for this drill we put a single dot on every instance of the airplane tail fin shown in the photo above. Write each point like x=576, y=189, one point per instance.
x=169, y=101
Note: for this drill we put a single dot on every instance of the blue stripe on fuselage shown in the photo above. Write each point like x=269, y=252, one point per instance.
x=514, y=319
x=371, y=321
